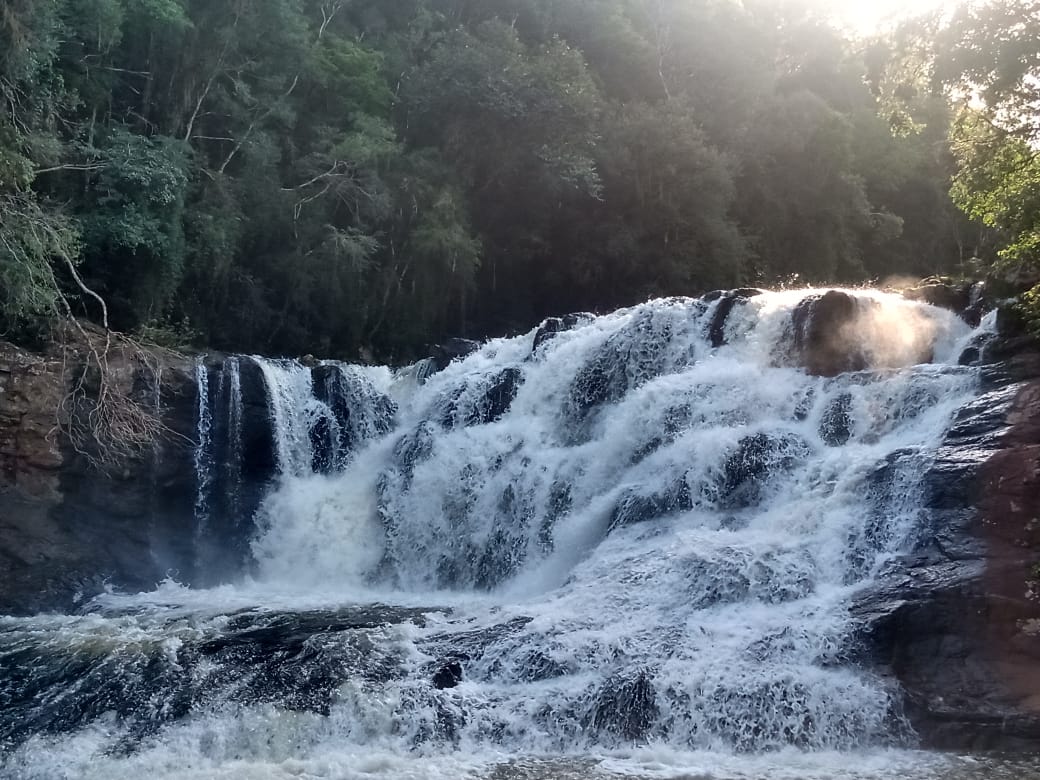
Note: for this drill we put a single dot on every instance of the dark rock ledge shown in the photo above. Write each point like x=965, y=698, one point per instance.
x=958, y=623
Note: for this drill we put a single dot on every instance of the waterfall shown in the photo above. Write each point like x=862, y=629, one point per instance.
x=203, y=448
x=691, y=509
x=317, y=423
x=315, y=419
x=233, y=461
x=639, y=531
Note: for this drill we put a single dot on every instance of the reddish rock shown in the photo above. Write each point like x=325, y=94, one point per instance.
x=1009, y=522
x=66, y=524
x=959, y=627
x=31, y=391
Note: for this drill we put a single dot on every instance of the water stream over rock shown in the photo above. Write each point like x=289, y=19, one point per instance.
x=617, y=545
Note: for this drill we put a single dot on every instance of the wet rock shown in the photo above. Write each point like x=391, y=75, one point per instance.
x=452, y=349
x=970, y=357
x=296, y=661
x=976, y=435
x=746, y=292
x=826, y=339
x=558, y=505
x=713, y=581
x=959, y=623
x=966, y=299
x=954, y=297
x=323, y=445
x=537, y=666
x=888, y=489
x=717, y=327
x=243, y=466
x=504, y=552
x=727, y=302
x=775, y=582
x=259, y=457
x=447, y=676
x=554, y=325
x=67, y=524
x=805, y=405
x=546, y=331
x=821, y=338
x=626, y=706
x=412, y=449
x=629, y=357
x=758, y=457
x=474, y=644
x=479, y=403
x=1006, y=361
x=836, y=423
x=346, y=396
x=601, y=380
x=635, y=507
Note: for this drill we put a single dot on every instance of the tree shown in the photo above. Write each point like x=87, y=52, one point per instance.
x=992, y=51
x=987, y=57
x=998, y=183
x=667, y=224
x=294, y=176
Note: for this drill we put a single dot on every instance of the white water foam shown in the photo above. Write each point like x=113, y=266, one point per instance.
x=649, y=545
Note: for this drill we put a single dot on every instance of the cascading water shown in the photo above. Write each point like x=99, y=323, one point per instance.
x=203, y=453
x=289, y=420
x=320, y=414
x=627, y=547
x=233, y=461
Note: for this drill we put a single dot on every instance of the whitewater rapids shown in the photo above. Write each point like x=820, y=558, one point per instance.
x=625, y=545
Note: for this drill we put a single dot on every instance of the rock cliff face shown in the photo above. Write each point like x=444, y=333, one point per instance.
x=69, y=526
x=959, y=625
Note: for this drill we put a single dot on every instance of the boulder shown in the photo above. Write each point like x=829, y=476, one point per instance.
x=626, y=706
x=552, y=326
x=448, y=675
x=359, y=409
x=466, y=405
x=836, y=423
x=452, y=349
x=954, y=297
x=821, y=341
x=757, y=458
x=727, y=301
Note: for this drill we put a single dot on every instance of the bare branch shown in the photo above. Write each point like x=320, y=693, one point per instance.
x=328, y=12
x=70, y=167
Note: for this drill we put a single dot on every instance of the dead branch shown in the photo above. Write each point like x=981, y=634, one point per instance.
x=99, y=413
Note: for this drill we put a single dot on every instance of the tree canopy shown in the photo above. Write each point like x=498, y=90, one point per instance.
x=346, y=176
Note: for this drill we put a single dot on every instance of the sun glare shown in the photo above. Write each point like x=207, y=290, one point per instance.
x=867, y=17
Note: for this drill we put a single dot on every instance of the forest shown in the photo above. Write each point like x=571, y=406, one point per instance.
x=357, y=178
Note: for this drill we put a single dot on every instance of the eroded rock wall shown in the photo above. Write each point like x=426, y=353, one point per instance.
x=959, y=624
x=69, y=526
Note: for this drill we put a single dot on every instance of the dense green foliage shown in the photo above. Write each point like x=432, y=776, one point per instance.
x=335, y=175
x=989, y=55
